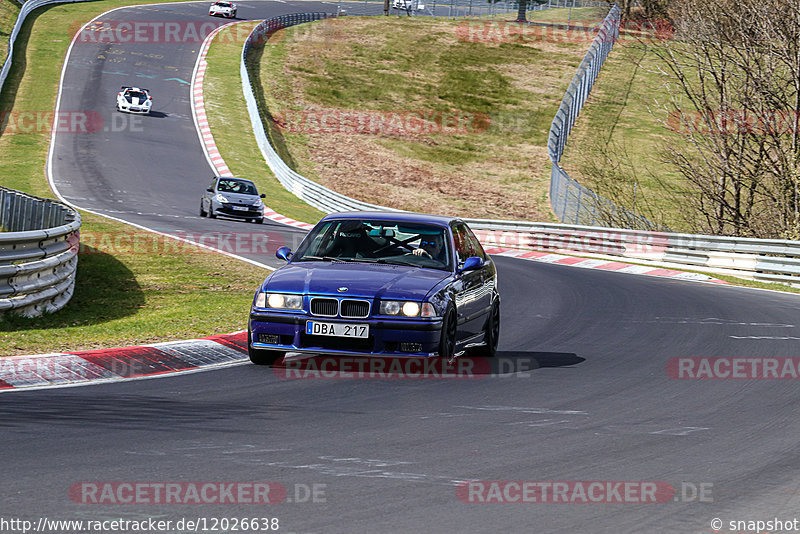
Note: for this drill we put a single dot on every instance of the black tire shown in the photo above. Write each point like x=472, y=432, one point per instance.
x=491, y=334
x=447, y=341
x=211, y=212
x=202, y=212
x=260, y=220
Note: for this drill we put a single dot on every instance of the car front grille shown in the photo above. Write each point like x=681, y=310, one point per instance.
x=324, y=307
x=348, y=308
x=355, y=309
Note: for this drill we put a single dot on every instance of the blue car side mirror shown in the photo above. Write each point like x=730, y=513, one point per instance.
x=284, y=253
x=472, y=263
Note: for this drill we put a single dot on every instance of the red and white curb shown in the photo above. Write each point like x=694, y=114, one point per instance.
x=204, y=131
x=199, y=106
x=113, y=365
x=606, y=265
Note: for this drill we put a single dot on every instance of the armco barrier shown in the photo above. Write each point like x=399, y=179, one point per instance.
x=759, y=259
x=571, y=201
x=38, y=253
x=320, y=197
x=26, y=10
x=39, y=237
x=767, y=260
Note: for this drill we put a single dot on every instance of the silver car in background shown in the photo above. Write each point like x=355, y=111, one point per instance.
x=232, y=197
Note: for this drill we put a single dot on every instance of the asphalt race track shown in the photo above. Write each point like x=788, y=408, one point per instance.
x=151, y=170
x=388, y=455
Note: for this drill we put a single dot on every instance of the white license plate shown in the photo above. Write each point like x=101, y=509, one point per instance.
x=318, y=328
x=240, y=208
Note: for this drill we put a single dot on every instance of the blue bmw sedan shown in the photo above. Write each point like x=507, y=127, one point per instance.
x=379, y=283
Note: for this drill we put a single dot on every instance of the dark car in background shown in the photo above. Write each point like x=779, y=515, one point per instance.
x=232, y=197
x=379, y=283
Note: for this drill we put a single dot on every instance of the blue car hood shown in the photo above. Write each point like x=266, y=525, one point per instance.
x=360, y=279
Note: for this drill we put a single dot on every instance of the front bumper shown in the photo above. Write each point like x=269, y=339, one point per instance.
x=387, y=337
x=226, y=14
x=138, y=110
x=252, y=212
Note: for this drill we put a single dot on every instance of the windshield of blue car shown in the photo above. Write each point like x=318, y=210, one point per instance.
x=235, y=186
x=385, y=242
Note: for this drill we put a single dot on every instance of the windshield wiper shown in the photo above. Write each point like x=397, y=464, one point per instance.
x=395, y=262
x=324, y=258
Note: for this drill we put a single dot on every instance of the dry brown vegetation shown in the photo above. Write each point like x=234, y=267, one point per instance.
x=498, y=168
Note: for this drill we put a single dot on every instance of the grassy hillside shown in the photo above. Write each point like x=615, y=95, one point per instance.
x=362, y=105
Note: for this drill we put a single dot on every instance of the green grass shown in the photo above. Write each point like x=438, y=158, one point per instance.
x=122, y=296
x=156, y=291
x=8, y=15
x=398, y=65
x=562, y=15
x=618, y=139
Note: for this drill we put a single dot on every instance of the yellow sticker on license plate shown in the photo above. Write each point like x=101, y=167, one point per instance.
x=317, y=328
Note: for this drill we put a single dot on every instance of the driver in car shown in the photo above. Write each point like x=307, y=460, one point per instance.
x=431, y=246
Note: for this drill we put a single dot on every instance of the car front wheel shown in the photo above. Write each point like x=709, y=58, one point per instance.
x=447, y=341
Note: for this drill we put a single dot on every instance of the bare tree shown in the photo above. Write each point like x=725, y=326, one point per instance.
x=734, y=71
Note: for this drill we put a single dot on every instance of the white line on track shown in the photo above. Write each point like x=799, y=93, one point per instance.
x=51, y=150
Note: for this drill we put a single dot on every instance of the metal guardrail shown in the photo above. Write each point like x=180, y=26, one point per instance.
x=38, y=253
x=320, y=197
x=26, y=9
x=39, y=237
x=460, y=9
x=760, y=259
x=768, y=260
x=571, y=201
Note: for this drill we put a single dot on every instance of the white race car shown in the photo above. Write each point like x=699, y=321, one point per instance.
x=134, y=100
x=222, y=9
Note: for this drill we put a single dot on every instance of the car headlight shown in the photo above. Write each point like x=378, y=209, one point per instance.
x=221, y=198
x=258, y=203
x=279, y=301
x=407, y=308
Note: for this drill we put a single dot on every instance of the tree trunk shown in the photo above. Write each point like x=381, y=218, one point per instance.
x=521, y=14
